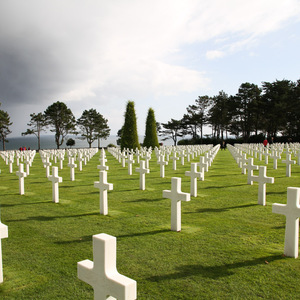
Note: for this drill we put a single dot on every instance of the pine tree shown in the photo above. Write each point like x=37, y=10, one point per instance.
x=150, y=139
x=129, y=137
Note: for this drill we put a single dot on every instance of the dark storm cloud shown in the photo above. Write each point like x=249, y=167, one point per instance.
x=28, y=72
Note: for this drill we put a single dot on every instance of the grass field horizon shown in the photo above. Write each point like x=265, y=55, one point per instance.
x=229, y=246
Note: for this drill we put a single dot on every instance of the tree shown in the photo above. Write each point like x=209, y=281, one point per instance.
x=219, y=116
x=173, y=129
x=151, y=139
x=196, y=116
x=4, y=127
x=59, y=116
x=293, y=112
x=119, y=135
x=276, y=98
x=93, y=126
x=129, y=138
x=37, y=122
x=70, y=142
x=246, y=112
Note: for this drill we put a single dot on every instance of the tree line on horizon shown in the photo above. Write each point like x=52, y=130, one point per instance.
x=267, y=111
x=92, y=126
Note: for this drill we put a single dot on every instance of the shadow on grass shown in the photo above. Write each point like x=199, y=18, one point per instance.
x=143, y=233
x=9, y=205
x=225, y=186
x=202, y=210
x=215, y=272
x=147, y=200
x=46, y=218
x=276, y=193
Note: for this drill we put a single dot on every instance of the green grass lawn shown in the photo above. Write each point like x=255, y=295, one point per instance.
x=229, y=247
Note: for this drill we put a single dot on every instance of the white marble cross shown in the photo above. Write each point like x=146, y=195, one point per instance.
x=102, y=165
x=130, y=162
x=61, y=157
x=289, y=162
x=47, y=165
x=207, y=161
x=275, y=156
x=138, y=155
x=147, y=158
x=243, y=161
x=203, y=166
x=3, y=234
x=267, y=154
x=80, y=160
x=11, y=161
x=102, y=274
x=21, y=174
x=72, y=167
x=250, y=167
x=103, y=186
x=162, y=164
x=123, y=157
x=27, y=163
x=55, y=179
x=142, y=170
x=292, y=212
x=174, y=158
x=194, y=175
x=176, y=197
x=262, y=179
x=182, y=155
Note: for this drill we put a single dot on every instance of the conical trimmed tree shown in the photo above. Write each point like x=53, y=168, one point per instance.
x=129, y=137
x=150, y=139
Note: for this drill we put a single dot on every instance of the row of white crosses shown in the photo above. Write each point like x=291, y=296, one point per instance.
x=54, y=178
x=291, y=210
x=274, y=152
x=261, y=179
x=10, y=156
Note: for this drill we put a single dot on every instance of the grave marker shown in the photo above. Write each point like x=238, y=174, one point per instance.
x=162, y=164
x=103, y=186
x=194, y=175
x=142, y=170
x=262, y=179
x=11, y=161
x=250, y=167
x=55, y=179
x=292, y=212
x=72, y=167
x=130, y=161
x=275, y=156
x=102, y=274
x=176, y=197
x=3, y=234
x=21, y=174
x=174, y=158
x=289, y=162
x=47, y=165
x=80, y=160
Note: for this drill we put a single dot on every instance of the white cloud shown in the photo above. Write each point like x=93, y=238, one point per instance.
x=213, y=54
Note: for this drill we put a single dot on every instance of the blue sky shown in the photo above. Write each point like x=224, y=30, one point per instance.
x=161, y=54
